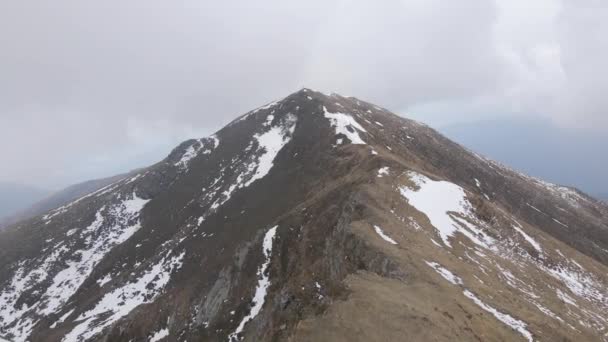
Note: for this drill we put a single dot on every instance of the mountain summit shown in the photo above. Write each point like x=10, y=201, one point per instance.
x=313, y=218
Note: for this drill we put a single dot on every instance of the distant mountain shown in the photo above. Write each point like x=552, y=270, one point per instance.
x=14, y=197
x=541, y=149
x=603, y=196
x=47, y=202
x=313, y=218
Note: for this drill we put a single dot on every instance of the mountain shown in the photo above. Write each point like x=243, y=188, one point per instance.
x=313, y=218
x=42, y=204
x=14, y=197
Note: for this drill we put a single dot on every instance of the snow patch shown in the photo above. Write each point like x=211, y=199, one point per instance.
x=385, y=237
x=159, y=335
x=126, y=223
x=263, y=284
x=195, y=149
x=110, y=228
x=383, y=171
x=271, y=142
x=268, y=144
x=22, y=282
x=121, y=301
x=445, y=273
x=346, y=125
x=439, y=201
x=579, y=283
x=269, y=119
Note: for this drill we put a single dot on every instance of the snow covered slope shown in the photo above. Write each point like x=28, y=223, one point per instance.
x=312, y=218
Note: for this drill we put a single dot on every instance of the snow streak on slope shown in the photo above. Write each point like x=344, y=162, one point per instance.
x=439, y=200
x=66, y=282
x=384, y=237
x=449, y=211
x=58, y=211
x=445, y=273
x=346, y=125
x=580, y=283
x=62, y=318
x=193, y=150
x=271, y=142
x=514, y=323
x=110, y=228
x=528, y=238
x=267, y=146
x=263, y=284
x=121, y=301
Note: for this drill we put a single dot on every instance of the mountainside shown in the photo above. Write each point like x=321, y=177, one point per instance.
x=313, y=218
x=40, y=206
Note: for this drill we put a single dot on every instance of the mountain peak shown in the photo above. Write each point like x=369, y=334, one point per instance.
x=306, y=219
x=338, y=109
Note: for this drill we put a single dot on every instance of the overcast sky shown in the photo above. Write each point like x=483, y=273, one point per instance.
x=91, y=88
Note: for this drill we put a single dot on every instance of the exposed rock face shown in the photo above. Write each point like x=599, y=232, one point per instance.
x=313, y=218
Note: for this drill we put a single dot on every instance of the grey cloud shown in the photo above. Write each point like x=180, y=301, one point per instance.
x=90, y=88
x=582, y=37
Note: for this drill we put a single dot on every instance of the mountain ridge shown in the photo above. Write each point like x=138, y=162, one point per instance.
x=59, y=198
x=539, y=148
x=289, y=220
